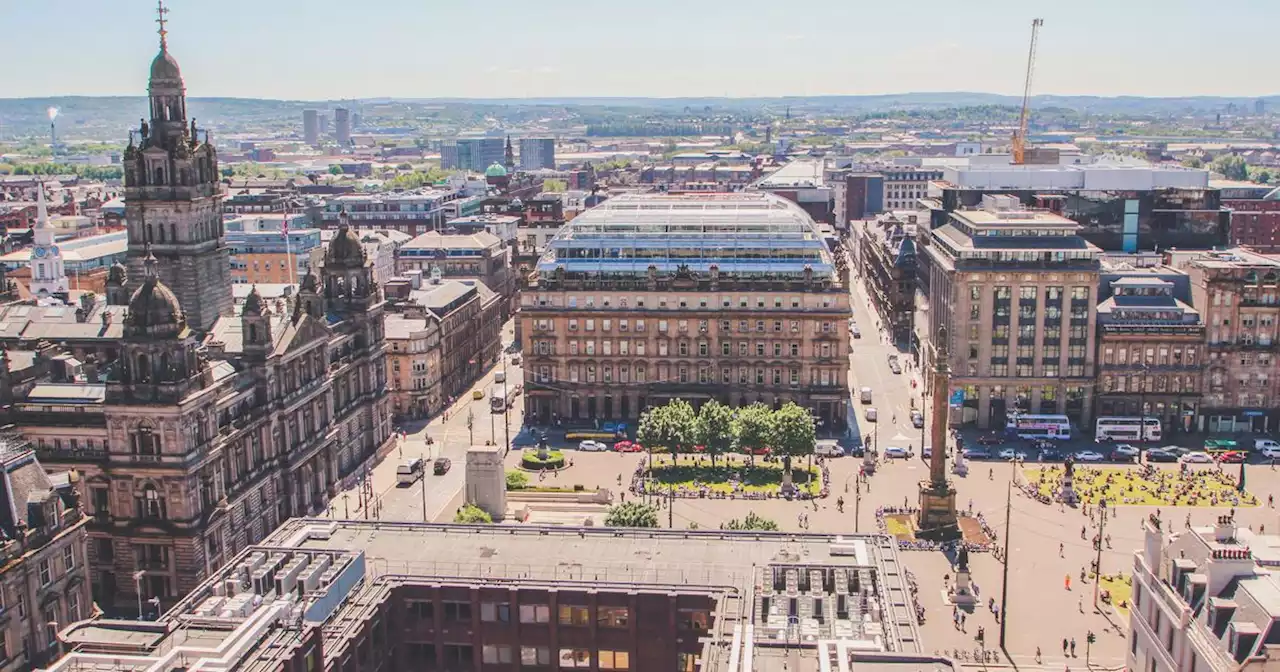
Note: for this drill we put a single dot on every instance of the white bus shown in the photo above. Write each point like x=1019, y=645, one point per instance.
x=1031, y=426
x=498, y=399
x=1123, y=429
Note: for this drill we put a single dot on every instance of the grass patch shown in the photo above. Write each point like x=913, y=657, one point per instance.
x=900, y=526
x=1128, y=487
x=1121, y=589
x=690, y=472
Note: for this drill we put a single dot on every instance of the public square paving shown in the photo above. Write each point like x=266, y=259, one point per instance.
x=1044, y=612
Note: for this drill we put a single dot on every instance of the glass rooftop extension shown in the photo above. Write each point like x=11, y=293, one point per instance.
x=745, y=233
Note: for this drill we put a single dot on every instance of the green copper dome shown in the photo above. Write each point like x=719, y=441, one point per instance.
x=496, y=170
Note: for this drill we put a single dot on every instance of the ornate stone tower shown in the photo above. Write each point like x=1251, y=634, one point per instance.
x=173, y=202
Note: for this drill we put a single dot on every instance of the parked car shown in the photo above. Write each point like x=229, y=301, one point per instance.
x=917, y=419
x=896, y=452
x=1090, y=456
x=857, y=333
x=894, y=366
x=1124, y=451
x=977, y=454
x=628, y=447
x=441, y=466
x=871, y=414
x=1233, y=456
x=477, y=394
x=1161, y=455
x=1009, y=454
x=1266, y=444
x=592, y=446
x=926, y=452
x=1196, y=457
x=1271, y=453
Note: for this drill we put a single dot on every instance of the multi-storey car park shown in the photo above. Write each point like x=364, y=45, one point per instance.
x=347, y=595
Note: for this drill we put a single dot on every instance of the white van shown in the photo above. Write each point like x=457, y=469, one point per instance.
x=500, y=376
x=828, y=450
x=409, y=471
x=866, y=395
x=1266, y=444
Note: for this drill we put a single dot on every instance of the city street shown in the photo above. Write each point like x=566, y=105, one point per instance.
x=450, y=438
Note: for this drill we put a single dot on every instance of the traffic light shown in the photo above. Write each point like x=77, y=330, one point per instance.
x=1091, y=638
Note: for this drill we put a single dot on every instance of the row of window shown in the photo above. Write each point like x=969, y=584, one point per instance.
x=685, y=349
x=1049, y=354
x=1051, y=294
x=703, y=375
x=1163, y=355
x=683, y=326
x=1051, y=332
x=1022, y=393
x=760, y=302
x=1175, y=384
x=1001, y=370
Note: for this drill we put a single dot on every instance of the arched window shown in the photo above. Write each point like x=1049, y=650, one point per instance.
x=161, y=239
x=173, y=232
x=144, y=369
x=159, y=175
x=253, y=333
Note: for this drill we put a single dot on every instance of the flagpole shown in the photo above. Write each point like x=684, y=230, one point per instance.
x=288, y=253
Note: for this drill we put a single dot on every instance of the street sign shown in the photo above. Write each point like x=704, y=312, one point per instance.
x=957, y=398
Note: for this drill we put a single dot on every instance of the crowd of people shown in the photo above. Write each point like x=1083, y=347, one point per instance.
x=1146, y=486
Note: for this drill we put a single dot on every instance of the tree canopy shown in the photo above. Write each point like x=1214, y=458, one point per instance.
x=472, y=514
x=631, y=514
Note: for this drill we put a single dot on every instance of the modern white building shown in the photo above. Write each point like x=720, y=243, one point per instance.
x=1204, y=599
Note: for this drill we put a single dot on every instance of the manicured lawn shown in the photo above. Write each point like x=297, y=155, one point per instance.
x=690, y=472
x=900, y=526
x=1122, y=486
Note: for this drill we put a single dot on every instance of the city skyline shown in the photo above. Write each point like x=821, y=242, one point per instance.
x=668, y=50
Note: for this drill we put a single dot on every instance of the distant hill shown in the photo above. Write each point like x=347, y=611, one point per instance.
x=111, y=117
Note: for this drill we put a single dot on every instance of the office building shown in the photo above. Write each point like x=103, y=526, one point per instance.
x=413, y=365
x=1238, y=293
x=646, y=298
x=472, y=154
x=537, y=153
x=412, y=212
x=1255, y=215
x=342, y=126
x=469, y=319
x=280, y=400
x=311, y=127
x=1151, y=352
x=1015, y=290
x=264, y=251
x=884, y=251
x=1204, y=599
x=327, y=596
x=904, y=185
x=856, y=195
x=45, y=582
x=1120, y=207
x=478, y=255
x=802, y=182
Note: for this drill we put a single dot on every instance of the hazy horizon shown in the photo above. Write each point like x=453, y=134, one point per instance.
x=503, y=49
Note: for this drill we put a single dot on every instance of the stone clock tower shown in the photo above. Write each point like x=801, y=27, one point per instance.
x=48, y=275
x=173, y=201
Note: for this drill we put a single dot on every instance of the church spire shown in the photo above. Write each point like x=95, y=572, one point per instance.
x=42, y=210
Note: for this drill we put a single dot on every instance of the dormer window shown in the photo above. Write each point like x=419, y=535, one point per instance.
x=150, y=503
x=145, y=442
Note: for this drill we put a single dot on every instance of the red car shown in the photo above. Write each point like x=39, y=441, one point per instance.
x=1233, y=456
x=758, y=451
x=628, y=447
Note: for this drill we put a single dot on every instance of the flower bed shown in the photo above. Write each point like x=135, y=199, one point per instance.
x=530, y=461
x=694, y=478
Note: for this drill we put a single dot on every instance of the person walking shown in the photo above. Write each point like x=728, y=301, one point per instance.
x=1064, y=646
x=1066, y=581
x=1073, y=647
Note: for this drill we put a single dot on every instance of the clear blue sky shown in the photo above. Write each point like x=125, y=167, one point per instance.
x=328, y=49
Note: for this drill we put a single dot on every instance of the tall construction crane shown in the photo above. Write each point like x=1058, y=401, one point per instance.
x=1020, y=135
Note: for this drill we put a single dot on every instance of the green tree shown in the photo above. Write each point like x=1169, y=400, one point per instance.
x=1262, y=177
x=335, y=169
x=554, y=186
x=672, y=426
x=1232, y=167
x=631, y=514
x=752, y=522
x=472, y=514
x=1192, y=162
x=404, y=166
x=714, y=428
x=796, y=435
x=753, y=428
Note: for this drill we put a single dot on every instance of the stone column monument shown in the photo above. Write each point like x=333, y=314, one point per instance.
x=937, y=517
x=486, y=480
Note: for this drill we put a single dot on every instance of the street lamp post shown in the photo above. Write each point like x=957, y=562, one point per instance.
x=1142, y=403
